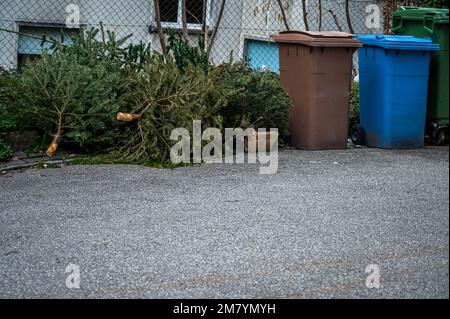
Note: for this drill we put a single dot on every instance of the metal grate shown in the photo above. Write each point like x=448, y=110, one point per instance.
x=234, y=29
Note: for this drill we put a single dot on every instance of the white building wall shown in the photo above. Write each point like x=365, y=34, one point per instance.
x=122, y=17
x=228, y=41
x=242, y=19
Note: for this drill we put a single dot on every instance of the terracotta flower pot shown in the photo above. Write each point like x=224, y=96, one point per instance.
x=257, y=139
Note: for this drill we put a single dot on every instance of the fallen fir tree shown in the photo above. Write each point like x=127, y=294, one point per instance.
x=73, y=92
x=106, y=97
x=70, y=100
x=164, y=97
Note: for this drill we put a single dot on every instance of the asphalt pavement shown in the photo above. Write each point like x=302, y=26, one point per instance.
x=224, y=231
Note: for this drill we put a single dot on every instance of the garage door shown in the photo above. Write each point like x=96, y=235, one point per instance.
x=31, y=46
x=262, y=55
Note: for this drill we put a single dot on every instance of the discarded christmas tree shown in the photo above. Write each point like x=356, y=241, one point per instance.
x=165, y=97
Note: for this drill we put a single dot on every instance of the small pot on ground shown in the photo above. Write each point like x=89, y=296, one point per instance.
x=260, y=141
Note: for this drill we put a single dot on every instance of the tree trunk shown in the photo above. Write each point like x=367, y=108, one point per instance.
x=184, y=20
x=56, y=138
x=216, y=29
x=162, y=39
x=205, y=28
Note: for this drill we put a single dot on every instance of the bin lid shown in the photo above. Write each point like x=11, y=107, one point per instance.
x=416, y=13
x=318, y=39
x=399, y=42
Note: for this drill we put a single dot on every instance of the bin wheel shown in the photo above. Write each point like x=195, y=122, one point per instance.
x=357, y=134
x=440, y=137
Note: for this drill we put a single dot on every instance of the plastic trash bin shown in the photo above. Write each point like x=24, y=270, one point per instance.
x=394, y=74
x=316, y=72
x=430, y=22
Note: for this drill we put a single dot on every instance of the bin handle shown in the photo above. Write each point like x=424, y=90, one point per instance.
x=408, y=7
x=425, y=24
x=394, y=29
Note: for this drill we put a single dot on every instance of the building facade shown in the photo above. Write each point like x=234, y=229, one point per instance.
x=244, y=31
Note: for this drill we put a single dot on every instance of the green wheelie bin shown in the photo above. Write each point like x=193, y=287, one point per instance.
x=431, y=23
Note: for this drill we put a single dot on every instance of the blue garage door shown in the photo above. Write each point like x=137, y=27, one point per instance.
x=32, y=46
x=262, y=55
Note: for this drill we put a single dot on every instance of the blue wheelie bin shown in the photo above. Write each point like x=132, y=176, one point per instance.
x=394, y=73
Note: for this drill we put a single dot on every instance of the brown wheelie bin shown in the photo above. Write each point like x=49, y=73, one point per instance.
x=316, y=72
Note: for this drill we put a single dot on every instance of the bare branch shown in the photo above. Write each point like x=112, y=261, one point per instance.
x=283, y=13
x=305, y=15
x=205, y=25
x=347, y=15
x=336, y=20
x=320, y=15
x=162, y=39
x=216, y=29
x=184, y=20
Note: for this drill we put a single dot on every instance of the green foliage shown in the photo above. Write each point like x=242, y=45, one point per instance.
x=185, y=54
x=7, y=122
x=436, y=3
x=79, y=90
x=97, y=45
x=79, y=87
x=168, y=98
x=5, y=151
x=62, y=91
x=259, y=100
x=354, y=101
x=7, y=94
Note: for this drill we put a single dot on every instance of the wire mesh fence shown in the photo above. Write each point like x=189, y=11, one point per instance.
x=237, y=30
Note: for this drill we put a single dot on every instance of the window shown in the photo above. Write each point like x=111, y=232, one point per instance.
x=171, y=12
x=30, y=45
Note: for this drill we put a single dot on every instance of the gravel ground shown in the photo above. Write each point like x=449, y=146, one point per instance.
x=224, y=231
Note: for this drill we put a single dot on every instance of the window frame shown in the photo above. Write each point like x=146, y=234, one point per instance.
x=190, y=26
